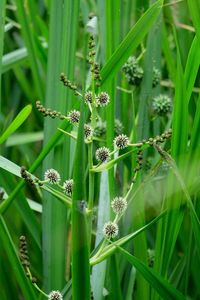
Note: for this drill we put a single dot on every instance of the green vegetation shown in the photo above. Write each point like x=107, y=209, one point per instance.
x=99, y=157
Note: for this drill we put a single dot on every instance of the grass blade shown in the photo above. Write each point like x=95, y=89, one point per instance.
x=80, y=249
x=165, y=290
x=131, y=42
x=16, y=123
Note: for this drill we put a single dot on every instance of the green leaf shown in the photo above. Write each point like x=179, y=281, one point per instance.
x=16, y=123
x=131, y=42
x=80, y=249
x=110, y=249
x=164, y=289
x=194, y=7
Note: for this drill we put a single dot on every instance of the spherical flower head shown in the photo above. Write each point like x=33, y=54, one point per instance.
x=74, y=116
x=88, y=97
x=88, y=131
x=68, y=185
x=52, y=176
x=100, y=128
x=156, y=77
x=133, y=72
x=55, y=295
x=110, y=230
x=103, y=99
x=119, y=205
x=121, y=141
x=102, y=154
x=118, y=127
x=162, y=105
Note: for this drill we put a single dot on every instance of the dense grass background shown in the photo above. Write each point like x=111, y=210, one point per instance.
x=38, y=41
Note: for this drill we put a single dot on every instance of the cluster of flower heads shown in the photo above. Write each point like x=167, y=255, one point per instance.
x=111, y=228
x=101, y=99
x=162, y=105
x=120, y=142
x=134, y=72
x=53, y=177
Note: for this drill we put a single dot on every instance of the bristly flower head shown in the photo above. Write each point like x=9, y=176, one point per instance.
x=156, y=77
x=119, y=205
x=88, y=97
x=74, y=116
x=110, y=229
x=102, y=154
x=88, y=131
x=121, y=141
x=68, y=185
x=52, y=176
x=162, y=105
x=55, y=295
x=133, y=72
x=103, y=99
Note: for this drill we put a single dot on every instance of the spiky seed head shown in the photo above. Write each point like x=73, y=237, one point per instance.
x=52, y=176
x=88, y=97
x=68, y=185
x=74, y=116
x=118, y=127
x=100, y=128
x=55, y=295
x=162, y=105
x=102, y=154
x=121, y=141
x=119, y=205
x=88, y=131
x=110, y=229
x=133, y=72
x=103, y=99
x=156, y=77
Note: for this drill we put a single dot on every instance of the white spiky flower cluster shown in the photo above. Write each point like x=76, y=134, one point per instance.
x=110, y=229
x=88, y=97
x=88, y=131
x=119, y=205
x=103, y=99
x=68, y=185
x=55, y=295
x=74, y=116
x=121, y=141
x=102, y=154
x=52, y=176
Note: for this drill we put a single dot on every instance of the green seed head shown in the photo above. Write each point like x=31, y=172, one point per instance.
x=110, y=230
x=162, y=105
x=156, y=77
x=133, y=72
x=118, y=127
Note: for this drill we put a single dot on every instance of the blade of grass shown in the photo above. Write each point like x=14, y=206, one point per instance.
x=2, y=20
x=80, y=249
x=130, y=42
x=23, y=11
x=16, y=123
x=165, y=290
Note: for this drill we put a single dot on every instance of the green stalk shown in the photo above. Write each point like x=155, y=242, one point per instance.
x=2, y=20
x=80, y=247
